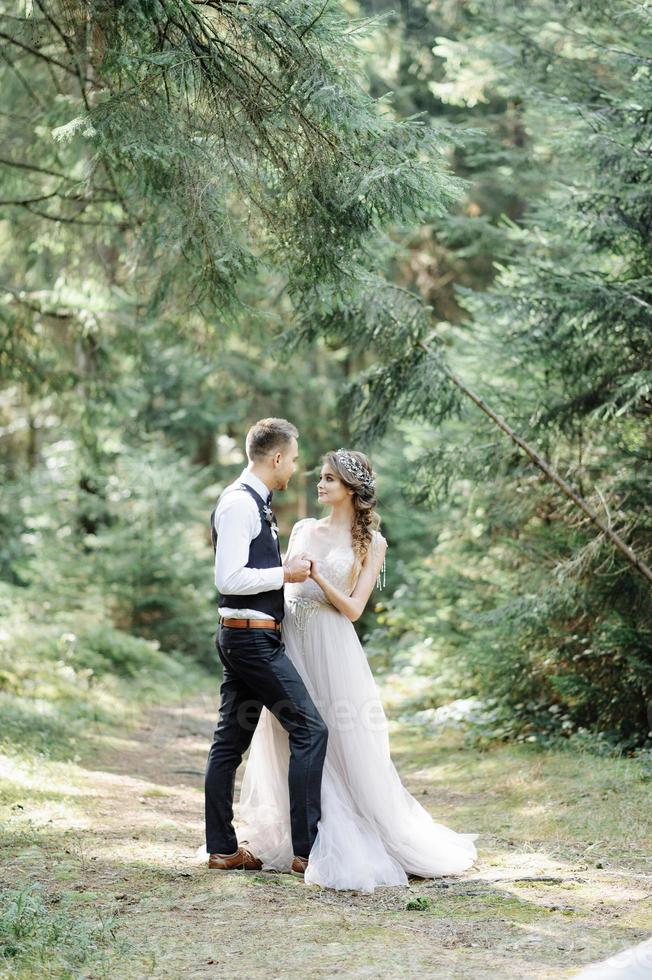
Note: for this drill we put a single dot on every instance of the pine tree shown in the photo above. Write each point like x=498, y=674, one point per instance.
x=216, y=139
x=561, y=344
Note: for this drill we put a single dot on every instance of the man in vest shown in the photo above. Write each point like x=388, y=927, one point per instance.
x=249, y=576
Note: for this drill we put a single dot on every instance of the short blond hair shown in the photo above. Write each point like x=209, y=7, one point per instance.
x=269, y=436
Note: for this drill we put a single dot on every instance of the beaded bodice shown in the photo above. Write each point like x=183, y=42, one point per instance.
x=337, y=567
x=304, y=598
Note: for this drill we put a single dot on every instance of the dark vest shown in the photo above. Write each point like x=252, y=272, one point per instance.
x=264, y=552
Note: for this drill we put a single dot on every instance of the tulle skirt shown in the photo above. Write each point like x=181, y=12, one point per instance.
x=372, y=832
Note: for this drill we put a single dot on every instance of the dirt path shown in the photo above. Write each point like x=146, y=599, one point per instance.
x=114, y=836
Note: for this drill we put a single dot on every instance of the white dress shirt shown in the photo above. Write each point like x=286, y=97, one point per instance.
x=237, y=523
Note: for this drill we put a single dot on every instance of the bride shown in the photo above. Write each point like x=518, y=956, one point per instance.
x=372, y=832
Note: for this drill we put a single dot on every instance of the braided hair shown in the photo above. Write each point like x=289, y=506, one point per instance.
x=354, y=470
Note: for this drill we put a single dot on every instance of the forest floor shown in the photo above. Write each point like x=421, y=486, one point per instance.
x=99, y=881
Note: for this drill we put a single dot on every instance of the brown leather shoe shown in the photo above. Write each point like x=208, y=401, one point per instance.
x=299, y=865
x=242, y=860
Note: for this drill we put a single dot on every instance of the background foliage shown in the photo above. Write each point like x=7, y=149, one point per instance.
x=214, y=212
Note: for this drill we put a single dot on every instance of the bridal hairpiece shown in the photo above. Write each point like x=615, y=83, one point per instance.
x=359, y=472
x=356, y=469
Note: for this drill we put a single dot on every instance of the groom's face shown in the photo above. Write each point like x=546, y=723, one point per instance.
x=285, y=464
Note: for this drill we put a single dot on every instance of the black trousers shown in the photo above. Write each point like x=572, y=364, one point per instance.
x=257, y=672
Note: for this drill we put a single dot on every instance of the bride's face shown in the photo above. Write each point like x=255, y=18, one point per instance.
x=330, y=489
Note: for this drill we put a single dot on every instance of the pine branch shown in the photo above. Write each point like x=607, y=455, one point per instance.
x=549, y=472
x=63, y=219
x=38, y=54
x=19, y=297
x=22, y=165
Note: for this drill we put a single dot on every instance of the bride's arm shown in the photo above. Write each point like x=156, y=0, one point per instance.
x=352, y=606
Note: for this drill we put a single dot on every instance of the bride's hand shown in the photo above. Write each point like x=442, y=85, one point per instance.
x=304, y=556
x=314, y=570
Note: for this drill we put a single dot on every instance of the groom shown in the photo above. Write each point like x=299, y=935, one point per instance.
x=249, y=576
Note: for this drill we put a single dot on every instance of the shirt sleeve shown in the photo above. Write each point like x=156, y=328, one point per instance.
x=236, y=524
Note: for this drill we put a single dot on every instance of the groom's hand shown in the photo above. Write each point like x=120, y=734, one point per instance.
x=296, y=570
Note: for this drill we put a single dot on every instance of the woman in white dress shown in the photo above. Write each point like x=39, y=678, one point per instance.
x=372, y=831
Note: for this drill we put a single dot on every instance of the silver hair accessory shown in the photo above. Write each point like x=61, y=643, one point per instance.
x=356, y=469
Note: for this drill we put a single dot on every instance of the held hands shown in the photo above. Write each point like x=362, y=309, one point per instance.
x=300, y=568
x=297, y=569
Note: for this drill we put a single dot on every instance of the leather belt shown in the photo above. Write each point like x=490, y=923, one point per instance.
x=251, y=624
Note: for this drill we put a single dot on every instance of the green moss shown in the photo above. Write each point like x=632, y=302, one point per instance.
x=490, y=905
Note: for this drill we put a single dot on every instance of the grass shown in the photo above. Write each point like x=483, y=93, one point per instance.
x=49, y=936
x=69, y=673
x=101, y=809
x=552, y=799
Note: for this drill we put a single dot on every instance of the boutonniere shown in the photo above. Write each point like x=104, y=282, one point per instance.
x=269, y=517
